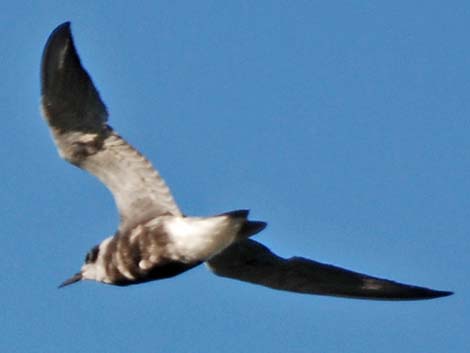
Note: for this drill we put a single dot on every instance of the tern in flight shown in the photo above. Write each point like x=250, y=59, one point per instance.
x=155, y=240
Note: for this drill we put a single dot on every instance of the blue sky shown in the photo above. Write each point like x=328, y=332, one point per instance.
x=344, y=126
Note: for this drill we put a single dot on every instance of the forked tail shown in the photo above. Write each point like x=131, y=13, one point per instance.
x=249, y=228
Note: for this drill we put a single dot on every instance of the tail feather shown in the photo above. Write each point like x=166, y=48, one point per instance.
x=237, y=214
x=249, y=228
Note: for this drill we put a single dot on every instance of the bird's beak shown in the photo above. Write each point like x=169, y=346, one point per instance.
x=75, y=278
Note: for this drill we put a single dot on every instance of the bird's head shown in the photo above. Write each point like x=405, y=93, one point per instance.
x=91, y=269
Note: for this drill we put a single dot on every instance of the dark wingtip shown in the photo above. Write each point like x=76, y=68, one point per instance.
x=69, y=98
x=61, y=30
x=416, y=292
x=59, y=35
x=58, y=48
x=439, y=293
x=399, y=291
x=63, y=27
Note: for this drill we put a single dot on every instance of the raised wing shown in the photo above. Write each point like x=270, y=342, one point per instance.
x=251, y=261
x=77, y=117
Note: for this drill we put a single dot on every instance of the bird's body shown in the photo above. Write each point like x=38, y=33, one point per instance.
x=164, y=246
x=155, y=240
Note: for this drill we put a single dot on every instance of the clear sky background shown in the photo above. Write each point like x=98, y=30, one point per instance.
x=345, y=126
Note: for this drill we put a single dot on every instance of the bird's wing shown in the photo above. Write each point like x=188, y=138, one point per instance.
x=253, y=262
x=77, y=118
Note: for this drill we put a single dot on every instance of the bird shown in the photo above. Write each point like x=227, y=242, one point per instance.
x=155, y=239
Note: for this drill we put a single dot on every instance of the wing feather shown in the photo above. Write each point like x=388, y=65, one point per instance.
x=77, y=118
x=251, y=261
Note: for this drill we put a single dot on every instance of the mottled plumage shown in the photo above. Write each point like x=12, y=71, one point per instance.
x=154, y=239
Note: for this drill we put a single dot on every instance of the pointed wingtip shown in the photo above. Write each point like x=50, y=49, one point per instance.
x=391, y=290
x=63, y=27
x=58, y=49
x=60, y=33
x=440, y=293
x=69, y=98
x=415, y=292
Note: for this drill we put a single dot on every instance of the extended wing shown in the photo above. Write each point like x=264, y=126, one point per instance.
x=77, y=118
x=251, y=261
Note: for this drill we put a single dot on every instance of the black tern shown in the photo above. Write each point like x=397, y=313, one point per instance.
x=155, y=240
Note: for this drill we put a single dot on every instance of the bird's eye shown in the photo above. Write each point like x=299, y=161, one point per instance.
x=92, y=255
